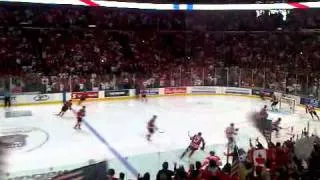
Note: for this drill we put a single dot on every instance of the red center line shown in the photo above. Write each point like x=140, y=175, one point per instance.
x=89, y=2
x=298, y=5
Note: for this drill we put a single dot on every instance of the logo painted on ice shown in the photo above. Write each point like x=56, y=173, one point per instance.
x=23, y=139
x=13, y=141
x=41, y=97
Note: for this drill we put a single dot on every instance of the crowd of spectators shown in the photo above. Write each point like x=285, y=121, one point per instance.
x=61, y=16
x=115, y=59
x=113, y=48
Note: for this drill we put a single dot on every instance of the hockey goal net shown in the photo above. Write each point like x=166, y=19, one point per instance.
x=287, y=104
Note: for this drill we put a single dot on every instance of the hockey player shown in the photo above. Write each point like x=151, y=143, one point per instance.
x=196, y=141
x=274, y=101
x=263, y=113
x=151, y=127
x=67, y=105
x=143, y=95
x=276, y=125
x=80, y=114
x=138, y=91
x=312, y=111
x=7, y=99
x=231, y=131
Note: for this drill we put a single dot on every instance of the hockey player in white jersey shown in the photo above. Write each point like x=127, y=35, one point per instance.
x=231, y=131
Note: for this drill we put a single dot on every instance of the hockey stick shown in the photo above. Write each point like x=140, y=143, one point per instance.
x=160, y=131
x=285, y=128
x=189, y=134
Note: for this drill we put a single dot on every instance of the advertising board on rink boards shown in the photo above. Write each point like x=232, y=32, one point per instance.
x=235, y=90
x=36, y=98
x=310, y=101
x=205, y=90
x=93, y=171
x=117, y=93
x=175, y=90
x=264, y=92
x=89, y=94
x=151, y=91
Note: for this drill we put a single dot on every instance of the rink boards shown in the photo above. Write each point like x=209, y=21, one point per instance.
x=54, y=98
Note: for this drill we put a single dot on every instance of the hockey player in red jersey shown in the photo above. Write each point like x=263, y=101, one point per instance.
x=312, y=111
x=151, y=127
x=67, y=105
x=196, y=141
x=80, y=114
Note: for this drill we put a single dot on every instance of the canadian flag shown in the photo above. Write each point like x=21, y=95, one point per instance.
x=259, y=157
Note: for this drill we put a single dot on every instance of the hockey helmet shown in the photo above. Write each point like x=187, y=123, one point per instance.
x=212, y=153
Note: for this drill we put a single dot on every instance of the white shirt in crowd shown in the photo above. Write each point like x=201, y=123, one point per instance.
x=161, y=82
x=81, y=86
x=103, y=86
x=48, y=88
x=172, y=83
x=61, y=87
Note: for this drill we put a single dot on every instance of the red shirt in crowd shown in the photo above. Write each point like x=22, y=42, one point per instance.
x=214, y=158
x=207, y=174
x=281, y=157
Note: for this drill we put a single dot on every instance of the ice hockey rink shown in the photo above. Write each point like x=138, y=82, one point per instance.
x=52, y=144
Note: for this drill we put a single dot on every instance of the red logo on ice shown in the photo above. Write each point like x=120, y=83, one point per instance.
x=179, y=90
x=79, y=95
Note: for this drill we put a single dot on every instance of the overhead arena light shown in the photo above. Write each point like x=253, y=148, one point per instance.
x=183, y=7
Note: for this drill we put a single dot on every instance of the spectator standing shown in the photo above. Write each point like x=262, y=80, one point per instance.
x=111, y=173
x=212, y=156
x=180, y=174
x=165, y=173
x=121, y=176
x=195, y=174
x=212, y=171
x=146, y=176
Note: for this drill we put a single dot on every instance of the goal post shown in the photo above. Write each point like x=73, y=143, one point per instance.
x=287, y=104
